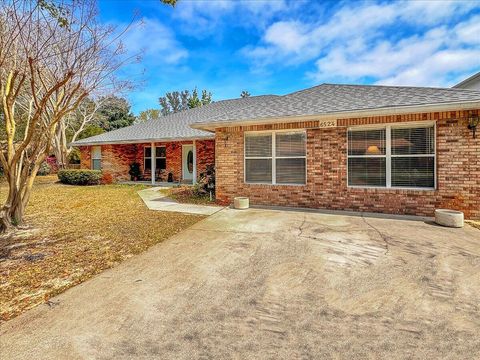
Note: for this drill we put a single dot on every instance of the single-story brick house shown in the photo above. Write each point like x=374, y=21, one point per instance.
x=402, y=150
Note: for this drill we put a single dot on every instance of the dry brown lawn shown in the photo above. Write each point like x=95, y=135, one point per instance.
x=73, y=233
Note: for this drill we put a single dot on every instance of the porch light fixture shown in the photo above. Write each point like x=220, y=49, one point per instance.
x=473, y=121
x=225, y=139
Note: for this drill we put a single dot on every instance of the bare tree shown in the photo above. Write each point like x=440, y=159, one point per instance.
x=52, y=56
x=74, y=123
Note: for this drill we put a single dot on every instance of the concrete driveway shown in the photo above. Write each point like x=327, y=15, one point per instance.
x=266, y=284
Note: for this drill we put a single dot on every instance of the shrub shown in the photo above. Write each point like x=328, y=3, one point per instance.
x=107, y=179
x=188, y=194
x=74, y=156
x=134, y=171
x=52, y=162
x=206, y=181
x=44, y=169
x=80, y=177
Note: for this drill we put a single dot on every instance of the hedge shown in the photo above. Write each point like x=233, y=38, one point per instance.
x=80, y=177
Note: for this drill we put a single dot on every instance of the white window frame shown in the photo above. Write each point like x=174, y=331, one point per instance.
x=152, y=157
x=273, y=158
x=94, y=156
x=388, y=153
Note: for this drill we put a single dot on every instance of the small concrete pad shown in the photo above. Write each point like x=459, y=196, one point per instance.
x=155, y=200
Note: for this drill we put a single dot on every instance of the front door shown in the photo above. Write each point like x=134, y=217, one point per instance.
x=187, y=162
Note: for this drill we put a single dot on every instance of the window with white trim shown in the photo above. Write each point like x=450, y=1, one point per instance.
x=160, y=158
x=96, y=158
x=392, y=156
x=275, y=157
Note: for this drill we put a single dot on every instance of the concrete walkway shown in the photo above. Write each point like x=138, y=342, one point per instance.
x=155, y=200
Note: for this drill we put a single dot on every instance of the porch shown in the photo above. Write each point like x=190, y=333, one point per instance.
x=172, y=163
x=162, y=184
x=182, y=165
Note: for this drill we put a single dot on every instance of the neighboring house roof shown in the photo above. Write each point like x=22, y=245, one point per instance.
x=174, y=126
x=471, y=83
x=343, y=100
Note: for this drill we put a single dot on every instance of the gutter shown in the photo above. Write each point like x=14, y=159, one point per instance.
x=140, y=141
x=398, y=110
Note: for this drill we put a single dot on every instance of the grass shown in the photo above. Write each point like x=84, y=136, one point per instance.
x=186, y=195
x=73, y=233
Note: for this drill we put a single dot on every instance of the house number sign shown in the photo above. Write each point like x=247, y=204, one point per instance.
x=327, y=123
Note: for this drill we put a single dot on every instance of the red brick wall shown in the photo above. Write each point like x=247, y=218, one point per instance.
x=205, y=155
x=458, y=170
x=85, y=159
x=116, y=159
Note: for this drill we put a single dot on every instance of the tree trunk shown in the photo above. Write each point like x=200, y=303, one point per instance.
x=60, y=146
x=5, y=220
x=20, y=187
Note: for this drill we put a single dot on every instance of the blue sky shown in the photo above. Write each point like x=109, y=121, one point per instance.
x=279, y=46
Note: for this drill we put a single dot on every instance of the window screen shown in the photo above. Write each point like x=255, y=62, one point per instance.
x=409, y=153
x=258, y=145
x=258, y=170
x=290, y=160
x=160, y=158
x=367, y=171
x=367, y=142
x=275, y=158
x=367, y=157
x=413, y=157
x=96, y=158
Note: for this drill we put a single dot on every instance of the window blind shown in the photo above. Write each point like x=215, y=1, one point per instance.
x=290, y=159
x=367, y=171
x=258, y=145
x=367, y=142
x=412, y=141
x=409, y=153
x=367, y=157
x=258, y=170
x=96, y=158
x=276, y=157
x=413, y=157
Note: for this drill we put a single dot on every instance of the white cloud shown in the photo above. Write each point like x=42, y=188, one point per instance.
x=202, y=18
x=155, y=41
x=365, y=41
x=431, y=71
x=287, y=36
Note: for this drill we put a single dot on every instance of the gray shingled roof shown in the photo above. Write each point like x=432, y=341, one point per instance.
x=324, y=99
x=174, y=126
x=332, y=98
